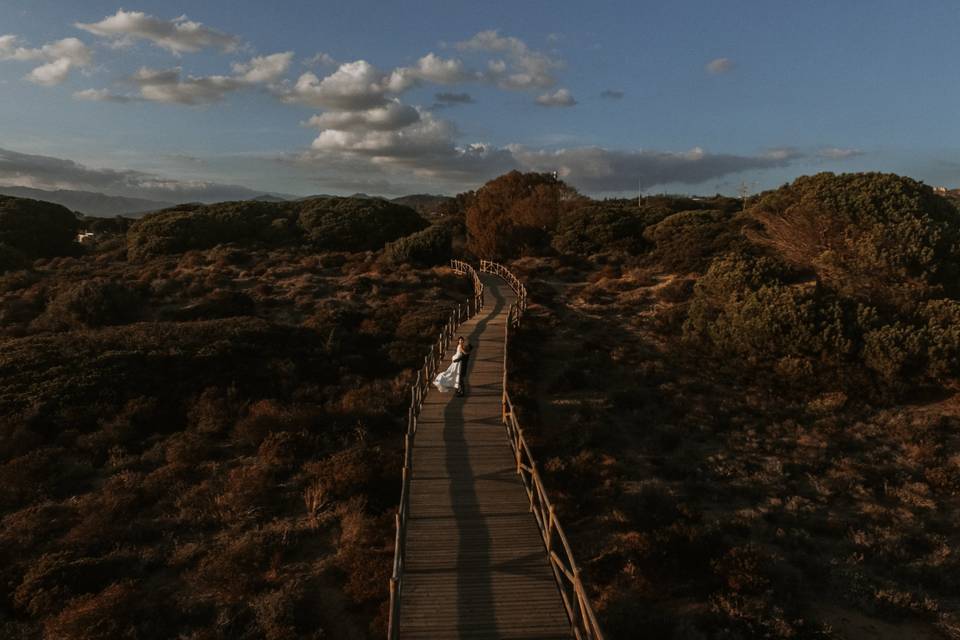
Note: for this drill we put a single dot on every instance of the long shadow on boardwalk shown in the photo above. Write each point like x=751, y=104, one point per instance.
x=475, y=602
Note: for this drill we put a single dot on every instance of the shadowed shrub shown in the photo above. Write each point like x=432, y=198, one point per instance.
x=425, y=248
x=93, y=303
x=603, y=226
x=873, y=236
x=36, y=229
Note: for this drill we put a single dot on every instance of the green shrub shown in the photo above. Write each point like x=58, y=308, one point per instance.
x=355, y=224
x=93, y=303
x=426, y=248
x=873, y=236
x=742, y=307
x=37, y=229
x=11, y=259
x=894, y=350
x=602, y=227
x=194, y=226
x=942, y=320
x=686, y=241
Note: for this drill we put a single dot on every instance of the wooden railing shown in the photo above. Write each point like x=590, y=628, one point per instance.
x=518, y=287
x=418, y=392
x=565, y=570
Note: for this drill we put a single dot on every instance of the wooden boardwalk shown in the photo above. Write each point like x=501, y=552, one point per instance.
x=476, y=566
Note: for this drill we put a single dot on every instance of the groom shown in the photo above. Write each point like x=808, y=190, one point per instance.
x=461, y=379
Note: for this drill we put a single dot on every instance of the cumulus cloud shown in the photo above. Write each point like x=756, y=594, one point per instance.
x=320, y=60
x=783, y=153
x=611, y=94
x=393, y=115
x=559, y=98
x=428, y=135
x=719, y=66
x=46, y=172
x=838, y=153
x=429, y=68
x=527, y=68
x=264, y=68
x=359, y=85
x=168, y=86
x=180, y=35
x=599, y=170
x=102, y=95
x=59, y=58
x=353, y=86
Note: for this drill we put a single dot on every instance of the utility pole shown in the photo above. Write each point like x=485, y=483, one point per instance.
x=640, y=191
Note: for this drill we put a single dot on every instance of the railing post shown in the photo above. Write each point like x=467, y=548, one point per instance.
x=549, y=536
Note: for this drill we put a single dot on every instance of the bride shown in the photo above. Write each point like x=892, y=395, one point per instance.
x=450, y=379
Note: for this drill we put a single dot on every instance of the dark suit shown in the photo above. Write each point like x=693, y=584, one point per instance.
x=461, y=380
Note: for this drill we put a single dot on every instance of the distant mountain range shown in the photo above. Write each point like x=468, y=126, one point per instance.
x=91, y=203
x=425, y=204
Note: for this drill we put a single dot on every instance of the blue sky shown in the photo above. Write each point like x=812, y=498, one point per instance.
x=192, y=101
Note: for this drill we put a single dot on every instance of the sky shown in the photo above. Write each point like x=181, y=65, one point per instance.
x=220, y=99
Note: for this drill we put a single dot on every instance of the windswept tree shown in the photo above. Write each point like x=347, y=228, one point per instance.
x=515, y=213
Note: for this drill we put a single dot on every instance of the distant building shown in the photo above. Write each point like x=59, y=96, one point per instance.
x=940, y=189
x=86, y=237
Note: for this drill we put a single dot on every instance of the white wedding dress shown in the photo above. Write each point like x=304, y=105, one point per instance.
x=449, y=380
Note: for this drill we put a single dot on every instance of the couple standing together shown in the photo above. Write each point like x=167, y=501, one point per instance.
x=455, y=375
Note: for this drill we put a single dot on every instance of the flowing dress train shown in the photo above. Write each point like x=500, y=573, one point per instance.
x=449, y=380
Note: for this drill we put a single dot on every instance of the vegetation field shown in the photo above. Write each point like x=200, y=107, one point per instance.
x=746, y=411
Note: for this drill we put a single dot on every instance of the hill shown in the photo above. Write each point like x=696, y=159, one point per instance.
x=747, y=417
x=425, y=204
x=198, y=429
x=752, y=416
x=89, y=202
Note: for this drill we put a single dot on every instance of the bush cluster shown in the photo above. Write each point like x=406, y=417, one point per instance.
x=603, y=226
x=34, y=229
x=341, y=224
x=877, y=237
x=432, y=246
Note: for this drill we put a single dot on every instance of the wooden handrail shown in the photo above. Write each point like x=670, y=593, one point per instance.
x=566, y=573
x=565, y=569
x=418, y=392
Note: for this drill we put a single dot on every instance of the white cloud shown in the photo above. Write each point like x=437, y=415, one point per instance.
x=394, y=115
x=320, y=59
x=359, y=85
x=353, y=86
x=595, y=169
x=719, y=66
x=59, y=58
x=46, y=172
x=528, y=69
x=264, y=68
x=426, y=136
x=429, y=68
x=167, y=86
x=102, y=95
x=782, y=153
x=559, y=98
x=838, y=153
x=180, y=35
